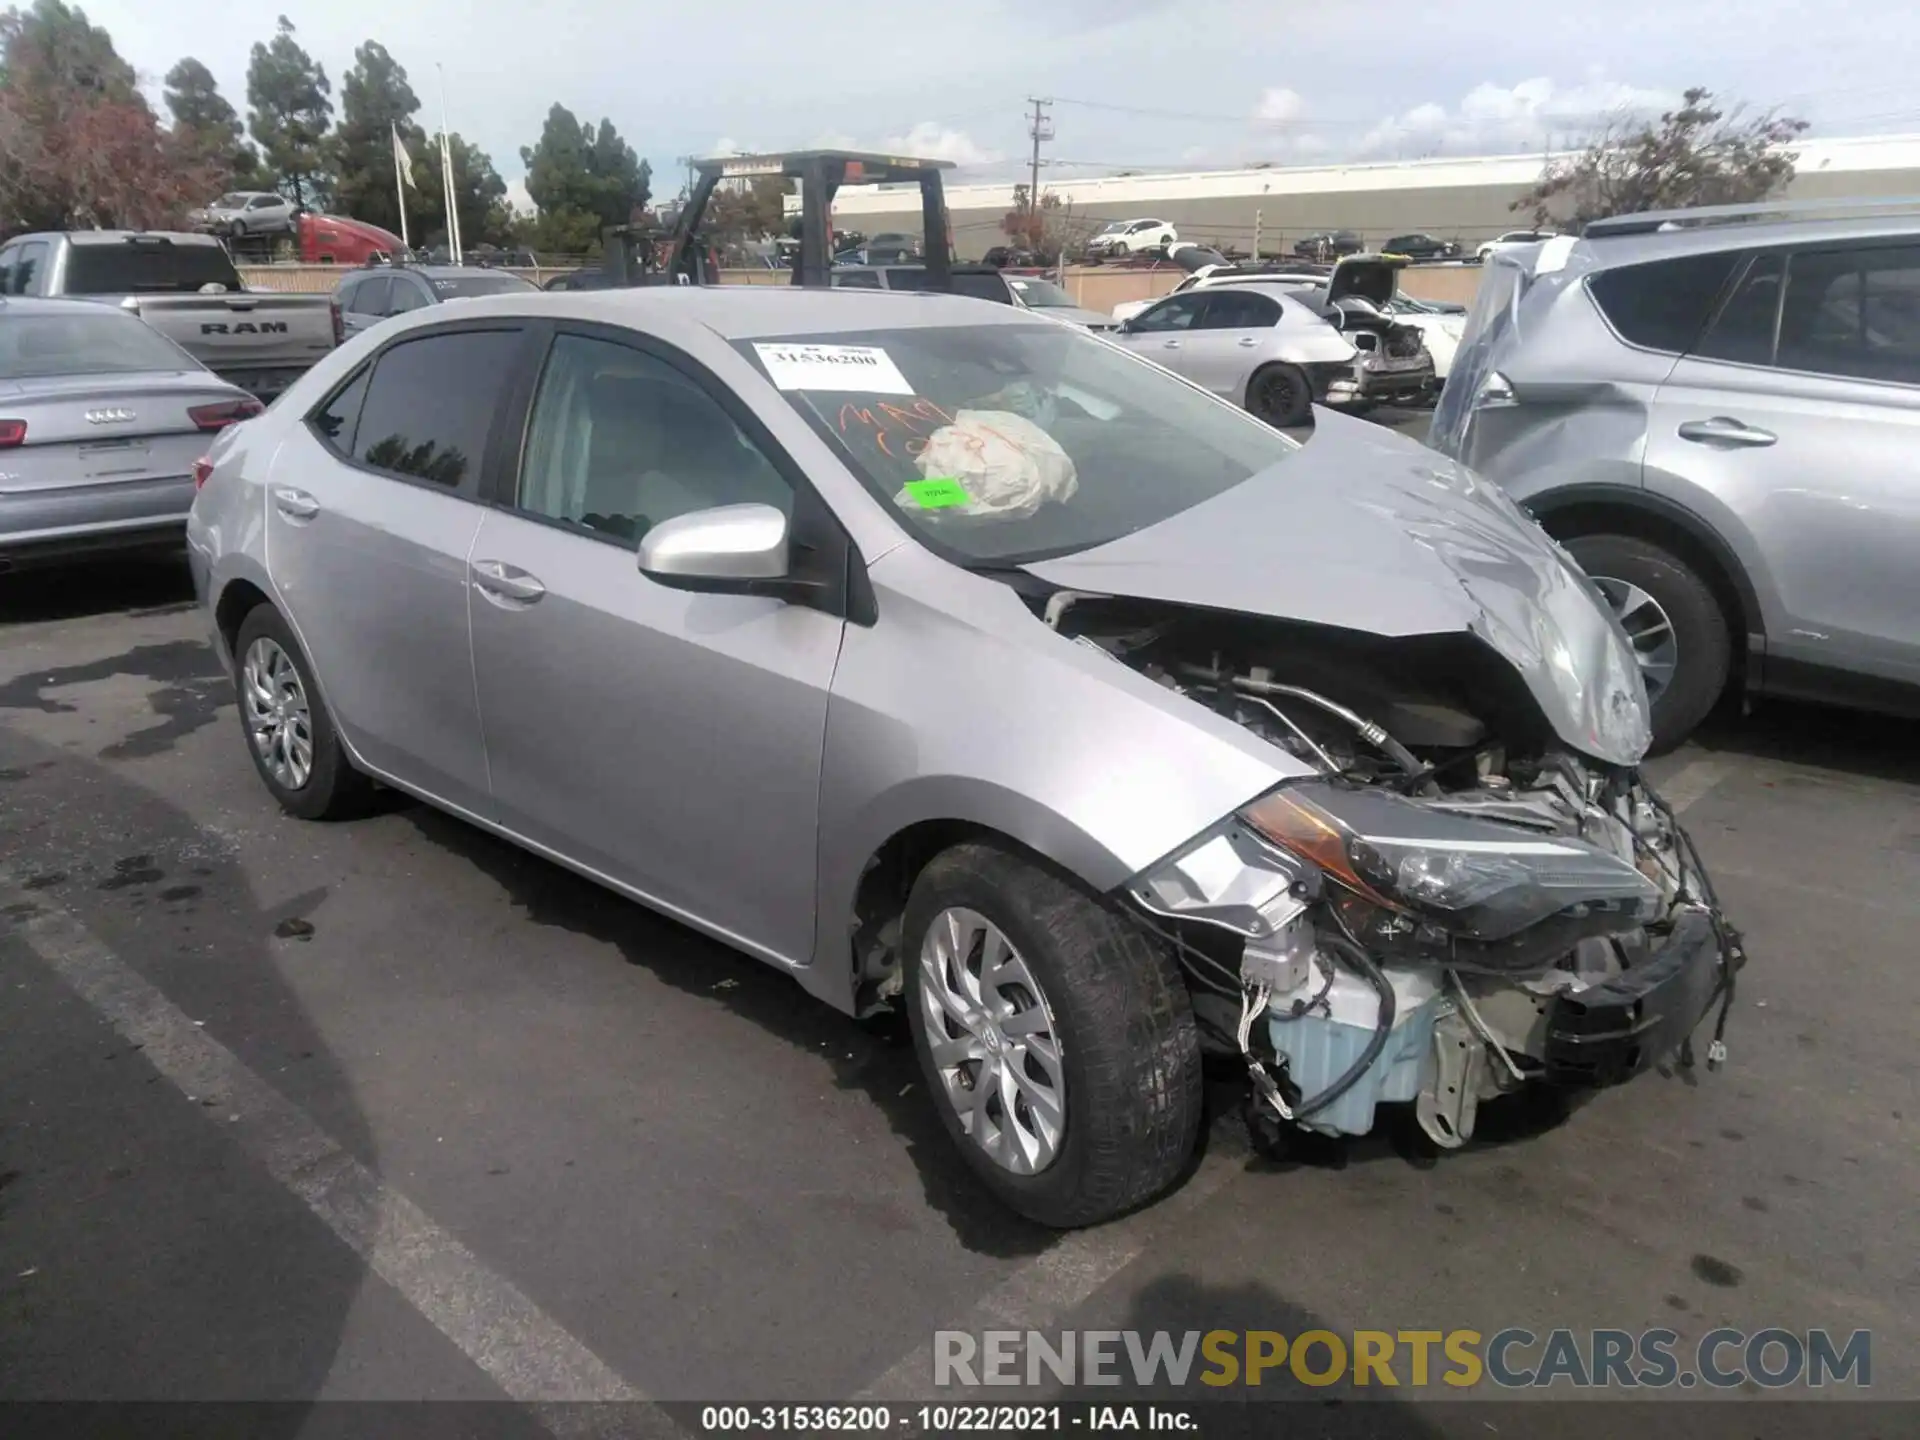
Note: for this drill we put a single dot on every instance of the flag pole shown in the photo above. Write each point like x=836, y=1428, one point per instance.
x=446, y=171
x=400, y=189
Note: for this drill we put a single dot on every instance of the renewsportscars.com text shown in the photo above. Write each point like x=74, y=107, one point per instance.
x=1513, y=1358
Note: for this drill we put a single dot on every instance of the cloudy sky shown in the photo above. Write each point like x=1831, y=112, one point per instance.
x=1137, y=83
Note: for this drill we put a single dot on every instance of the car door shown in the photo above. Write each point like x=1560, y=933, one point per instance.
x=1229, y=338
x=1161, y=332
x=372, y=508
x=1799, y=411
x=365, y=304
x=665, y=739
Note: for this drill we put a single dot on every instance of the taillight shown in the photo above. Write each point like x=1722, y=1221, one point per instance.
x=225, y=413
x=12, y=432
x=339, y=322
x=202, y=468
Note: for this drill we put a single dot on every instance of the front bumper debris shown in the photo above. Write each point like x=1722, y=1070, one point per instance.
x=1610, y=1032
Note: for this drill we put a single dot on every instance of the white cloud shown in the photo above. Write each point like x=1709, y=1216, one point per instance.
x=931, y=141
x=1532, y=114
x=518, y=199
x=1278, y=106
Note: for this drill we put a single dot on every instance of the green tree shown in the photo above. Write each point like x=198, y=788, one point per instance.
x=206, y=129
x=479, y=193
x=79, y=145
x=581, y=179
x=375, y=99
x=289, y=111
x=1700, y=154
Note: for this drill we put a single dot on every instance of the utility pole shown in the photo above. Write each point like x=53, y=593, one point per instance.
x=1041, y=129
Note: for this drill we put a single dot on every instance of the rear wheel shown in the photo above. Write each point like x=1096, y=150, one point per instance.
x=289, y=732
x=1679, y=633
x=1056, y=1037
x=1280, y=395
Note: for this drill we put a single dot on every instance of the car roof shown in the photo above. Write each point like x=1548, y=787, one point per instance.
x=1604, y=252
x=744, y=312
x=120, y=237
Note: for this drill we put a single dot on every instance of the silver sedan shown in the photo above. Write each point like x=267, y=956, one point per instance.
x=1249, y=343
x=953, y=659
x=101, y=422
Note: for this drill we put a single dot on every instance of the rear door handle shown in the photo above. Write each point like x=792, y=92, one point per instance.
x=499, y=582
x=1249, y=341
x=1725, y=430
x=295, y=504
x=1170, y=345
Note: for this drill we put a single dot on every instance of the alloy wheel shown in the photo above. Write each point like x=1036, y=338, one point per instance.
x=1648, y=628
x=279, y=717
x=994, y=1045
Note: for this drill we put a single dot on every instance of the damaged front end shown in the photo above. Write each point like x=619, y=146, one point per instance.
x=1454, y=906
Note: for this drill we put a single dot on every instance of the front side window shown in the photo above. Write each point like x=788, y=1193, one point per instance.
x=1177, y=312
x=431, y=402
x=1853, y=313
x=620, y=440
x=1005, y=442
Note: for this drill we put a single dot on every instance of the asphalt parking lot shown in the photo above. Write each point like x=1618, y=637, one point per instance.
x=390, y=1110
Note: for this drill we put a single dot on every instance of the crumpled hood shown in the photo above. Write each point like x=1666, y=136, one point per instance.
x=1365, y=530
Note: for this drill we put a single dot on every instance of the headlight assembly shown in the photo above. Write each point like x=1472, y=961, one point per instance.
x=1476, y=880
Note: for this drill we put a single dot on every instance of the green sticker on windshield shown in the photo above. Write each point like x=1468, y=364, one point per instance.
x=939, y=493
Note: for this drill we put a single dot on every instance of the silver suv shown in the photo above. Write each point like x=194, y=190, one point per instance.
x=1718, y=413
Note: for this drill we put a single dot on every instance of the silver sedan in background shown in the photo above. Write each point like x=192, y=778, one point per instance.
x=101, y=422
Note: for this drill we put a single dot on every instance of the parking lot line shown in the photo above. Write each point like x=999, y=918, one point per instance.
x=516, y=1343
x=1690, y=783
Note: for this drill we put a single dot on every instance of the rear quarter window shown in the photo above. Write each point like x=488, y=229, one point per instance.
x=1662, y=304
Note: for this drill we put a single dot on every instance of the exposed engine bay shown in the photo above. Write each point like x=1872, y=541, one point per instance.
x=1453, y=906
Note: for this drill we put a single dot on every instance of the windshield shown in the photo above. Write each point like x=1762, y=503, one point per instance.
x=1114, y=227
x=128, y=268
x=1041, y=294
x=1003, y=443
x=104, y=344
x=229, y=202
x=495, y=284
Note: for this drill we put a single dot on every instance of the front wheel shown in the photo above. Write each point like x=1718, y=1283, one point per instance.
x=1280, y=395
x=1678, y=631
x=1055, y=1035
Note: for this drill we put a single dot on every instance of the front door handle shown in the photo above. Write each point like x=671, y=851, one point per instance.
x=1170, y=345
x=1249, y=341
x=295, y=504
x=1725, y=430
x=499, y=581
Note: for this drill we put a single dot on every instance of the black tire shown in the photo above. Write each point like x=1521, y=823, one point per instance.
x=1129, y=1050
x=1702, y=638
x=1280, y=395
x=334, y=790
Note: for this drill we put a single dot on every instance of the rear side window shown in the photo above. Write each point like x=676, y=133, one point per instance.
x=1854, y=313
x=1744, y=329
x=982, y=287
x=29, y=268
x=147, y=269
x=337, y=416
x=1239, y=310
x=1662, y=304
x=431, y=402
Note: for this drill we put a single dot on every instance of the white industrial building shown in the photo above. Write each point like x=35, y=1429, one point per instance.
x=1468, y=199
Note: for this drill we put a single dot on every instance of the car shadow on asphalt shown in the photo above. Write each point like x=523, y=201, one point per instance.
x=874, y=1056
x=1855, y=742
x=135, y=584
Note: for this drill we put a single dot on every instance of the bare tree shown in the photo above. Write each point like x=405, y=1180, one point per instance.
x=1700, y=154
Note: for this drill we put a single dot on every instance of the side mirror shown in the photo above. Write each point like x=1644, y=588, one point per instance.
x=728, y=547
x=1126, y=326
